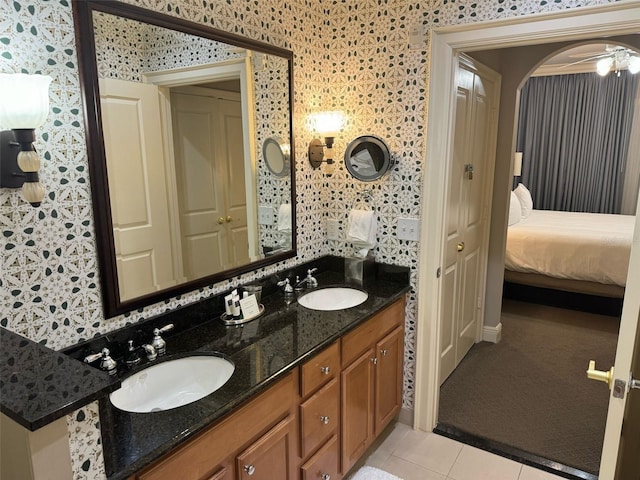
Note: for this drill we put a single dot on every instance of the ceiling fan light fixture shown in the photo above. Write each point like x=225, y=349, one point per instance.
x=634, y=64
x=604, y=66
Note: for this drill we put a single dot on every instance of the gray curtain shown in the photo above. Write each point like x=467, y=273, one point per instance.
x=574, y=133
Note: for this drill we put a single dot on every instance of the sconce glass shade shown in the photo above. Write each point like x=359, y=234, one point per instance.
x=328, y=124
x=24, y=100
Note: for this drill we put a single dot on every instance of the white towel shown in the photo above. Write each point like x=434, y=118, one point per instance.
x=284, y=218
x=371, y=473
x=362, y=230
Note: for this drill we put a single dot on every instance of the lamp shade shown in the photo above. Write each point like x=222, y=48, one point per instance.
x=24, y=100
x=328, y=124
x=604, y=65
x=517, y=164
x=634, y=64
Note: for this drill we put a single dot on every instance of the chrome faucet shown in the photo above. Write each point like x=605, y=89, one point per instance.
x=309, y=280
x=158, y=343
x=288, y=289
x=107, y=364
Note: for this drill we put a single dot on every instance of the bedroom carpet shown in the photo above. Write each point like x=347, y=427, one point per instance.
x=530, y=391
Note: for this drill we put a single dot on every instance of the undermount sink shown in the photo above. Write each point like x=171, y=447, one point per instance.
x=332, y=298
x=172, y=384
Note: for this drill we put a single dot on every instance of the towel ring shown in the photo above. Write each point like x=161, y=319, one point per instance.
x=365, y=196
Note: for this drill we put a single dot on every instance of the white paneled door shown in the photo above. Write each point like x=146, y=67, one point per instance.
x=210, y=169
x=467, y=222
x=136, y=168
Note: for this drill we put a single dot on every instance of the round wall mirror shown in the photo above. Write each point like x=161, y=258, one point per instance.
x=276, y=155
x=368, y=158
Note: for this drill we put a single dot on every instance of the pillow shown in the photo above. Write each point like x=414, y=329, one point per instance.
x=515, y=210
x=526, y=202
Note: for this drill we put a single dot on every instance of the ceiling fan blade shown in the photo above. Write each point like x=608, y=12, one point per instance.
x=603, y=55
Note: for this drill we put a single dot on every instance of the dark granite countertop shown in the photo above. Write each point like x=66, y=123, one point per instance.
x=39, y=385
x=263, y=350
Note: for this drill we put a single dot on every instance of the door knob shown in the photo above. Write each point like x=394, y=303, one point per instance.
x=461, y=246
x=600, y=375
x=220, y=220
x=229, y=218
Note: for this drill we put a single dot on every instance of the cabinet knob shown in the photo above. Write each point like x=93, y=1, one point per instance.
x=325, y=476
x=250, y=469
x=374, y=361
x=325, y=370
x=384, y=352
x=324, y=419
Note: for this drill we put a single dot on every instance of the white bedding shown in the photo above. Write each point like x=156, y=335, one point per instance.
x=579, y=246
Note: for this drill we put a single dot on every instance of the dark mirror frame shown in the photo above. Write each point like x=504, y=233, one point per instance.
x=88, y=69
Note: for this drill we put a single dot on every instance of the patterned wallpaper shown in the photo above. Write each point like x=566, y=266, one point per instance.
x=348, y=55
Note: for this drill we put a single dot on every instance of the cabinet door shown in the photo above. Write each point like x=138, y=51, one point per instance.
x=271, y=456
x=357, y=408
x=323, y=465
x=390, y=353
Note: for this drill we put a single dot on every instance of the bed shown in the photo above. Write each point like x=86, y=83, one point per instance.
x=571, y=251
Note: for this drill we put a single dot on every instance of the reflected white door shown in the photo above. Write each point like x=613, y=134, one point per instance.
x=469, y=197
x=208, y=143
x=138, y=187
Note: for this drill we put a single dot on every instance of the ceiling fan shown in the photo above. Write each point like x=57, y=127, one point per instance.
x=614, y=58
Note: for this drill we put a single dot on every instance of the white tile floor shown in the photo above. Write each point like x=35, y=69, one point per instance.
x=413, y=455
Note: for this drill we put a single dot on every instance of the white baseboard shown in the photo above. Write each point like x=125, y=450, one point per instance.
x=492, y=334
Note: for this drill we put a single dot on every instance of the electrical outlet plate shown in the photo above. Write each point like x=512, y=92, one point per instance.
x=265, y=215
x=333, y=231
x=408, y=229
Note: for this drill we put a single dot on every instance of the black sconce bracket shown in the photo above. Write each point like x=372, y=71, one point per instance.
x=13, y=142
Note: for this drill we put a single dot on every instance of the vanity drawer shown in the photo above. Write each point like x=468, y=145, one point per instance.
x=362, y=338
x=320, y=417
x=324, y=464
x=320, y=369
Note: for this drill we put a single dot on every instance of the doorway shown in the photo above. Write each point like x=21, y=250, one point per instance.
x=589, y=23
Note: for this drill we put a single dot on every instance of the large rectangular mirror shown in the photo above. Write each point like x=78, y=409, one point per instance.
x=179, y=117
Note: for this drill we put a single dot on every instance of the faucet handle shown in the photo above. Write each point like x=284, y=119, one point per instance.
x=311, y=281
x=108, y=364
x=151, y=352
x=158, y=343
x=287, y=286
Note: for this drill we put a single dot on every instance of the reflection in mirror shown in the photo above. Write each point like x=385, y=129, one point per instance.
x=368, y=158
x=276, y=155
x=183, y=118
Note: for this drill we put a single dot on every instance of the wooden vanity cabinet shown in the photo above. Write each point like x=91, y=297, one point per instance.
x=320, y=415
x=262, y=434
x=314, y=424
x=372, y=358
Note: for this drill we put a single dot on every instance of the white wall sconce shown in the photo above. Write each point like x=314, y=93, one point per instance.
x=517, y=164
x=328, y=125
x=24, y=106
